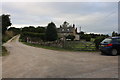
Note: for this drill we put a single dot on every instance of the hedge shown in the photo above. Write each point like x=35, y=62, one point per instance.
x=31, y=35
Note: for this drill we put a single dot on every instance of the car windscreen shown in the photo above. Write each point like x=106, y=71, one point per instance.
x=106, y=41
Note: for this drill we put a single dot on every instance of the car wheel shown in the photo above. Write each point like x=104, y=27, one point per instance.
x=102, y=53
x=114, y=52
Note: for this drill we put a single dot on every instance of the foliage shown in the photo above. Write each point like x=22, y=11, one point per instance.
x=4, y=51
x=114, y=34
x=51, y=32
x=40, y=29
x=32, y=36
x=87, y=37
x=68, y=46
x=9, y=34
x=80, y=45
x=90, y=36
x=14, y=30
x=71, y=37
x=45, y=47
x=5, y=38
x=5, y=22
x=98, y=40
x=81, y=35
x=33, y=29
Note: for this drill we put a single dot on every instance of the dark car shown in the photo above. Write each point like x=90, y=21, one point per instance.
x=110, y=45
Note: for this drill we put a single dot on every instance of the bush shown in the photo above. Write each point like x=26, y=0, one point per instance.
x=98, y=40
x=87, y=37
x=4, y=51
x=32, y=36
x=15, y=31
x=5, y=38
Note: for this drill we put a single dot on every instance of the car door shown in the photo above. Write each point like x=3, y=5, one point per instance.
x=118, y=45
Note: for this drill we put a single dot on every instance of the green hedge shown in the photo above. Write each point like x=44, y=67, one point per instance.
x=98, y=40
x=32, y=36
x=5, y=38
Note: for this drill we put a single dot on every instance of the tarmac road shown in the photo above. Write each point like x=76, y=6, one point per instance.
x=31, y=62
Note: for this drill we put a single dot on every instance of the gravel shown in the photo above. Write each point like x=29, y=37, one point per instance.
x=31, y=62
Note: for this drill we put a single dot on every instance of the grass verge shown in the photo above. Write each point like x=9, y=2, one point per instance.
x=45, y=47
x=4, y=51
x=53, y=48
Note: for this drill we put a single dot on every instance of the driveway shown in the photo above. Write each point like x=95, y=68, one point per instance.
x=31, y=62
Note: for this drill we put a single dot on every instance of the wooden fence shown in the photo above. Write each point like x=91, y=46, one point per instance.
x=79, y=45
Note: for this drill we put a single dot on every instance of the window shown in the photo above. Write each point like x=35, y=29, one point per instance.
x=118, y=40
x=106, y=41
x=62, y=29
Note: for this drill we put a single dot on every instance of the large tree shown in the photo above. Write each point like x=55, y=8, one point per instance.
x=5, y=20
x=114, y=33
x=51, y=32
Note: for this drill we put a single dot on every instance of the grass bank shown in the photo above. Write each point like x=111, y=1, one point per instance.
x=45, y=47
x=53, y=48
x=5, y=38
x=4, y=51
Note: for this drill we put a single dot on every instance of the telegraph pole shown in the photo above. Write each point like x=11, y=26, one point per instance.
x=80, y=28
x=79, y=32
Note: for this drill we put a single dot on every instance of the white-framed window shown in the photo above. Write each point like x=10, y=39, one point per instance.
x=68, y=29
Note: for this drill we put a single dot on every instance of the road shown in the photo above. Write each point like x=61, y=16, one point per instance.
x=31, y=62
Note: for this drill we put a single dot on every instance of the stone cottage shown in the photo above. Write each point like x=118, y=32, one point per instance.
x=66, y=29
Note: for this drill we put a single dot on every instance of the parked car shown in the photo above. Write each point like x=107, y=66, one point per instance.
x=110, y=45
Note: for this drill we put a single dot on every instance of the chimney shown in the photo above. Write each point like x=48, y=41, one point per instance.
x=76, y=30
x=73, y=25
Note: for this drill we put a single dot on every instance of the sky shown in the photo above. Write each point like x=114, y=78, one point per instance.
x=97, y=17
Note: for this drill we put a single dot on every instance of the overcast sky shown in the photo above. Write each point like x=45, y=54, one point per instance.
x=97, y=17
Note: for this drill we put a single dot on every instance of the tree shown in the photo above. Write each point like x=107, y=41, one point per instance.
x=87, y=37
x=40, y=29
x=51, y=32
x=114, y=33
x=82, y=35
x=14, y=30
x=32, y=29
x=5, y=22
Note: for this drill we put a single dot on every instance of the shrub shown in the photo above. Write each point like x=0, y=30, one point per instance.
x=5, y=38
x=87, y=37
x=98, y=40
x=33, y=36
x=4, y=51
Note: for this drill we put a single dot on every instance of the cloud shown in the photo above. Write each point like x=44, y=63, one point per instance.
x=61, y=1
x=99, y=17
